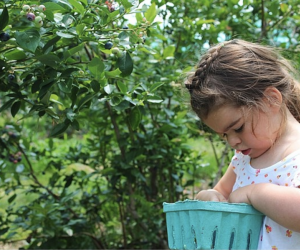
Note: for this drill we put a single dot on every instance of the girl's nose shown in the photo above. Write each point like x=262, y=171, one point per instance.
x=233, y=140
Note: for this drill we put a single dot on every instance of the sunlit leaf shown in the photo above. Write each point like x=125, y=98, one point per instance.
x=150, y=14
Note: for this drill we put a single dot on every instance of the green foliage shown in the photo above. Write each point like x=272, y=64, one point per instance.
x=94, y=139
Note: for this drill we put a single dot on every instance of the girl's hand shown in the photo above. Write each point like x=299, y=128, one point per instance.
x=241, y=195
x=210, y=195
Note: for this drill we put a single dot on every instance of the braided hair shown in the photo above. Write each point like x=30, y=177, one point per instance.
x=238, y=72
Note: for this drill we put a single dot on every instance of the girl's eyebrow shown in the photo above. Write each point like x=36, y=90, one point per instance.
x=232, y=124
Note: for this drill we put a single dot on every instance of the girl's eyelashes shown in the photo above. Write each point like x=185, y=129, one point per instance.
x=240, y=129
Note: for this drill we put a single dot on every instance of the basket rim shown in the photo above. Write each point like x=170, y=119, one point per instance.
x=188, y=205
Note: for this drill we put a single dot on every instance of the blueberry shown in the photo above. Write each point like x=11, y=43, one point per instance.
x=125, y=27
x=4, y=37
x=11, y=77
x=108, y=45
x=11, y=158
x=30, y=16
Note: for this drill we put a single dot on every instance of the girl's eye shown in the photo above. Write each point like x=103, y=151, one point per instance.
x=240, y=129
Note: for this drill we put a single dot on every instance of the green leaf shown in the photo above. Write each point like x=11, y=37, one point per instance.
x=45, y=98
x=155, y=86
x=84, y=101
x=68, y=72
x=125, y=64
x=75, y=124
x=154, y=99
x=7, y=104
x=113, y=74
x=4, y=18
x=95, y=86
x=126, y=4
x=49, y=59
x=96, y=66
x=15, y=54
x=64, y=35
x=70, y=114
x=123, y=87
x=150, y=14
x=80, y=28
x=77, y=6
x=54, y=7
x=73, y=51
x=139, y=16
x=284, y=7
x=28, y=40
x=45, y=89
x=135, y=117
x=169, y=52
x=66, y=86
x=50, y=43
x=115, y=100
x=15, y=108
x=12, y=198
x=202, y=21
x=59, y=128
x=20, y=168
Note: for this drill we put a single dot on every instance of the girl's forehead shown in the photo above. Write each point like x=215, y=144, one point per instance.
x=221, y=118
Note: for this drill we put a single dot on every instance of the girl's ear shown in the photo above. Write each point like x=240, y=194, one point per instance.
x=273, y=98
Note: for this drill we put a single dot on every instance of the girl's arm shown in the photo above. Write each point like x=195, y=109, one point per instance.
x=280, y=203
x=222, y=190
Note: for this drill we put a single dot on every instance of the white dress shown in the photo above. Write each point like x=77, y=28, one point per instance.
x=284, y=173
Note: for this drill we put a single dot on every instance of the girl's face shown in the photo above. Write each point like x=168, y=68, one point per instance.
x=252, y=132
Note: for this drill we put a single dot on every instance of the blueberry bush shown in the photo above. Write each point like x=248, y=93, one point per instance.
x=96, y=131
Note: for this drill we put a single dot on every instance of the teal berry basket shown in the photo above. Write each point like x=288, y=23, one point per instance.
x=193, y=224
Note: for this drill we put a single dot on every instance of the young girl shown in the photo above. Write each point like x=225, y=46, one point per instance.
x=246, y=93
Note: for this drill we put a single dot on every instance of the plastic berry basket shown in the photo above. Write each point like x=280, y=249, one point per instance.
x=193, y=224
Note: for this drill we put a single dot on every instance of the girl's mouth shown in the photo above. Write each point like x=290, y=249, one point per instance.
x=246, y=151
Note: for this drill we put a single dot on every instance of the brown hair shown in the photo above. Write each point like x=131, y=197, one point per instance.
x=237, y=72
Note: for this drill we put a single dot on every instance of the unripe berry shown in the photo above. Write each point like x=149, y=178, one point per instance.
x=115, y=50
x=38, y=19
x=26, y=7
x=120, y=53
x=39, y=24
x=42, y=8
x=30, y=16
x=42, y=15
